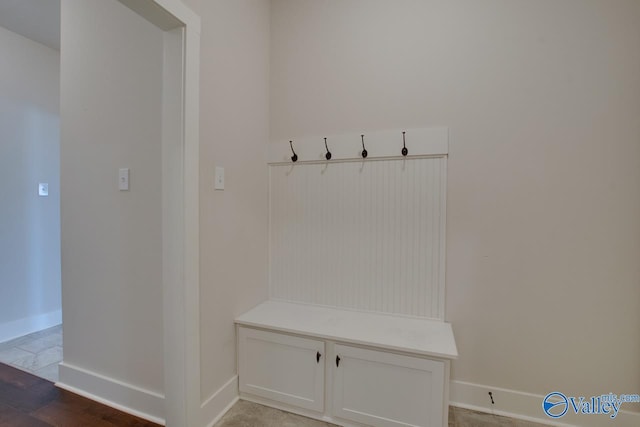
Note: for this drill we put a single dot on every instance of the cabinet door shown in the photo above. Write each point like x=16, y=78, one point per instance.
x=282, y=368
x=387, y=390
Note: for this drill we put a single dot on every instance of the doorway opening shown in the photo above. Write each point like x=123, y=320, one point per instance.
x=30, y=266
x=180, y=282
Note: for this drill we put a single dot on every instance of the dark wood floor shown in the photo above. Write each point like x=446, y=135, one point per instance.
x=29, y=401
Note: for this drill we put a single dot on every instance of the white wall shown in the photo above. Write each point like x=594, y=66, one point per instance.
x=111, y=269
x=542, y=99
x=29, y=154
x=111, y=93
x=234, y=131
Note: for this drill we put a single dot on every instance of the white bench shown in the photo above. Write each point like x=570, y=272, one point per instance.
x=346, y=367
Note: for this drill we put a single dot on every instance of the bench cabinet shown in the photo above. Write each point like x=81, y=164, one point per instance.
x=346, y=367
x=362, y=386
x=378, y=388
x=282, y=368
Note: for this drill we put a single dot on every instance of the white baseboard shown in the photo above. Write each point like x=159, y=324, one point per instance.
x=219, y=403
x=527, y=406
x=29, y=325
x=125, y=397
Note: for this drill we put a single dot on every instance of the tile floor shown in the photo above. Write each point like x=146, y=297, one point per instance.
x=38, y=353
x=459, y=417
x=248, y=414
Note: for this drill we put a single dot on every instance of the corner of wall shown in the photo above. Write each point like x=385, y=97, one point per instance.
x=214, y=408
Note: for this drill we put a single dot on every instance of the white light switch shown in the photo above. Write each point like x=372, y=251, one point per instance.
x=123, y=179
x=43, y=189
x=219, y=179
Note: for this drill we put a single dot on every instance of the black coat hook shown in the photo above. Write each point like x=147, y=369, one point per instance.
x=404, y=145
x=328, y=155
x=364, y=150
x=294, y=158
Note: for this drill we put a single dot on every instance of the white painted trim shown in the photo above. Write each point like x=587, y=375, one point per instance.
x=181, y=290
x=382, y=144
x=183, y=13
x=447, y=386
x=442, y=229
x=172, y=223
x=527, y=406
x=219, y=403
x=189, y=306
x=28, y=325
x=128, y=398
x=165, y=14
x=181, y=298
x=153, y=13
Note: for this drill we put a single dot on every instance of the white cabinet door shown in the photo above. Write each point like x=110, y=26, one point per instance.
x=281, y=367
x=387, y=390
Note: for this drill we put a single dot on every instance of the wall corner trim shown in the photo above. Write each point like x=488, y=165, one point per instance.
x=214, y=408
x=125, y=397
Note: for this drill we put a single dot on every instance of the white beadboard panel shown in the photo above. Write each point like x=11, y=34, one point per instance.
x=360, y=235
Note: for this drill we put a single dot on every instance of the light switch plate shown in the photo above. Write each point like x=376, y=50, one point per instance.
x=123, y=179
x=43, y=189
x=219, y=179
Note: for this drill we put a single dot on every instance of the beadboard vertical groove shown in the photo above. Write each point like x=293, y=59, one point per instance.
x=360, y=235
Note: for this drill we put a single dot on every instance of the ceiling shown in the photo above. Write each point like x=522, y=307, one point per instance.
x=38, y=20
